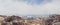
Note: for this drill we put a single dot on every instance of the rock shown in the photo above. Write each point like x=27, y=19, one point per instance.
x=1, y=19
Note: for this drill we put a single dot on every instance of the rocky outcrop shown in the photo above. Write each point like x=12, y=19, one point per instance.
x=16, y=20
x=53, y=20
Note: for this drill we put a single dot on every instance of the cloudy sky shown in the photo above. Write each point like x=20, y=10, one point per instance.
x=29, y=7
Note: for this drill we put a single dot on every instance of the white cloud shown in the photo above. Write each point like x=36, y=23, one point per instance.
x=9, y=7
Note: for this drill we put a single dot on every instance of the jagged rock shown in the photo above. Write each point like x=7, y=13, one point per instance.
x=1, y=19
x=53, y=19
x=16, y=20
x=15, y=23
x=3, y=23
x=8, y=19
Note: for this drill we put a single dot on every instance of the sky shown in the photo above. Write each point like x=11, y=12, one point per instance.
x=29, y=7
